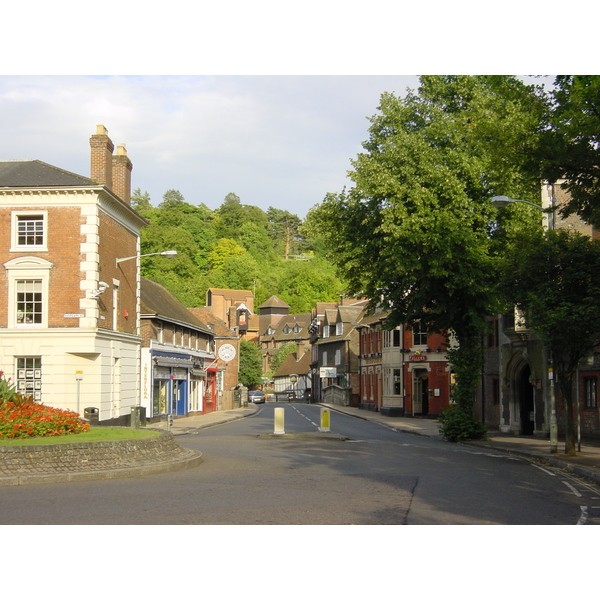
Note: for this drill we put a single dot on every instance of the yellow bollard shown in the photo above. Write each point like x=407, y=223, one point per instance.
x=325, y=419
x=279, y=421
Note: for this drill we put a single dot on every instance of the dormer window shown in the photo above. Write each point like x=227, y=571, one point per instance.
x=297, y=328
x=339, y=328
x=286, y=330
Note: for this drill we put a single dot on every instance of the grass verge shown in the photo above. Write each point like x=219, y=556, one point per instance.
x=95, y=434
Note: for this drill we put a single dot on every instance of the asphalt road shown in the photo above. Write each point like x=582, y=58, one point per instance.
x=375, y=477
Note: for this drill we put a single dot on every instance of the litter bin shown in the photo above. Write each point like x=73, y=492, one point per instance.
x=91, y=414
x=138, y=417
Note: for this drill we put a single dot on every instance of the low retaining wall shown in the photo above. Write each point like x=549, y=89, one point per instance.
x=94, y=460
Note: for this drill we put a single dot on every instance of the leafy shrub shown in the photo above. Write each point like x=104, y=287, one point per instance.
x=37, y=420
x=460, y=425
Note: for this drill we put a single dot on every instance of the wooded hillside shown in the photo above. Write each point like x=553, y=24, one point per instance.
x=235, y=246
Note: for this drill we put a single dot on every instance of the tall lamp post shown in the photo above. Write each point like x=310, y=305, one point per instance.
x=501, y=202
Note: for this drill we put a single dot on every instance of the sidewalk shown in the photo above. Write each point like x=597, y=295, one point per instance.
x=586, y=463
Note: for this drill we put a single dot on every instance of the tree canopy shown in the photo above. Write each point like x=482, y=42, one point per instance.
x=571, y=148
x=554, y=279
x=235, y=246
x=417, y=233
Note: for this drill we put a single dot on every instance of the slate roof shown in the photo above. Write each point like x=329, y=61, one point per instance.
x=35, y=173
x=157, y=302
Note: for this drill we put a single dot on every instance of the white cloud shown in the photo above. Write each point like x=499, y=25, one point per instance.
x=282, y=141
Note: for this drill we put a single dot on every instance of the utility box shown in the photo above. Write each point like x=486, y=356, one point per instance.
x=138, y=417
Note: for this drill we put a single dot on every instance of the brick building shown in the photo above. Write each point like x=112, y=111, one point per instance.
x=404, y=371
x=69, y=328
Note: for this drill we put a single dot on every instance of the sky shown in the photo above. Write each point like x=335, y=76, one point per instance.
x=281, y=141
x=261, y=99
x=274, y=141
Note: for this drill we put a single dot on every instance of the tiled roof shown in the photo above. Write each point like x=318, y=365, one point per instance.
x=292, y=366
x=206, y=316
x=35, y=173
x=274, y=301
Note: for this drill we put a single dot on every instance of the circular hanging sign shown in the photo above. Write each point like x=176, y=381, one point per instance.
x=226, y=352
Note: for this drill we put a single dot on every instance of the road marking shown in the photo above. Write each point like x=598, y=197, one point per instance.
x=572, y=488
x=545, y=470
x=307, y=418
x=584, y=515
x=494, y=455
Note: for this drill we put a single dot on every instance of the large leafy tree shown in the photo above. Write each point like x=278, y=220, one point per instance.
x=415, y=233
x=555, y=280
x=572, y=146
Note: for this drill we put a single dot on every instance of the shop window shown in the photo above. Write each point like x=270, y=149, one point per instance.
x=29, y=376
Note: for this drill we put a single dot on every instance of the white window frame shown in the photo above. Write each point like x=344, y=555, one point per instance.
x=339, y=329
x=14, y=241
x=27, y=268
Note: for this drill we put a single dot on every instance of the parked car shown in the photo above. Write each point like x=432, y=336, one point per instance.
x=256, y=396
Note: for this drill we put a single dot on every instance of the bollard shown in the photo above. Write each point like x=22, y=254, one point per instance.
x=325, y=420
x=279, y=421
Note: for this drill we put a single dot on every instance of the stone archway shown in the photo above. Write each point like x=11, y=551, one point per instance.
x=519, y=410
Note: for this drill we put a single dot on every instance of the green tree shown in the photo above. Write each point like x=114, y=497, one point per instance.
x=250, y=372
x=284, y=229
x=554, y=279
x=225, y=248
x=416, y=232
x=571, y=148
x=140, y=201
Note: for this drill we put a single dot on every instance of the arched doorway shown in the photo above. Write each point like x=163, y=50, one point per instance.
x=525, y=401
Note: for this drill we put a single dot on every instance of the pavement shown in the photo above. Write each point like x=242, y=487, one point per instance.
x=585, y=464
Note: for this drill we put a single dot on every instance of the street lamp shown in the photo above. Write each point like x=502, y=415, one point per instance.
x=501, y=202
x=167, y=253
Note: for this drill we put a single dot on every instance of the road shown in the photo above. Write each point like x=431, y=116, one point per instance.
x=375, y=477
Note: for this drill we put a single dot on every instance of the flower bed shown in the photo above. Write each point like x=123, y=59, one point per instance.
x=37, y=420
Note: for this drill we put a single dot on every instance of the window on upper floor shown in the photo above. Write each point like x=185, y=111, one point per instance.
x=339, y=329
x=29, y=301
x=29, y=231
x=419, y=334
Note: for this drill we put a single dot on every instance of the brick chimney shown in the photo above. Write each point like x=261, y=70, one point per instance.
x=101, y=165
x=121, y=174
